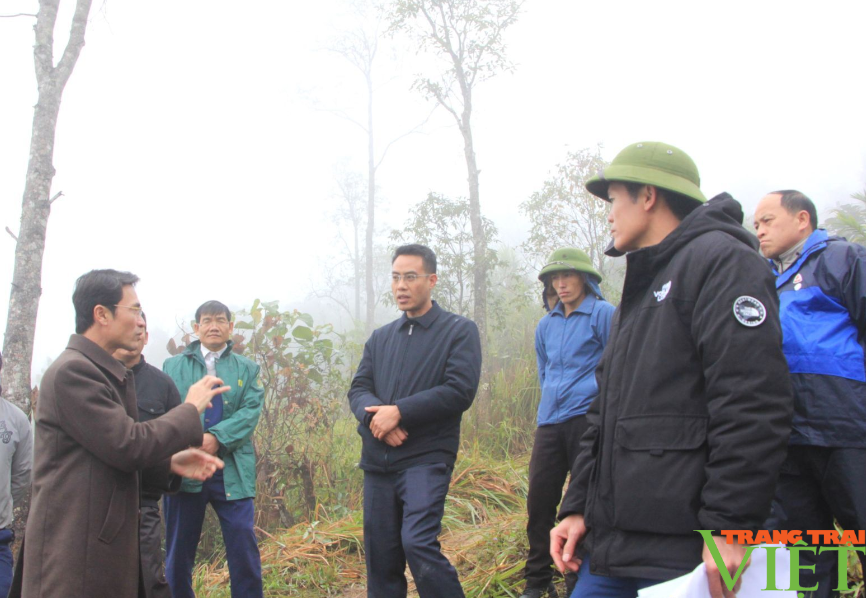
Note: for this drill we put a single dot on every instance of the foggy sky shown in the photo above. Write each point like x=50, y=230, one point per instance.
x=195, y=146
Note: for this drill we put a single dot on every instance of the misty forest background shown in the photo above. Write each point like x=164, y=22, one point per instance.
x=309, y=500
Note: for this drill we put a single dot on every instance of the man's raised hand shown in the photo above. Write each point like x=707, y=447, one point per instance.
x=201, y=393
x=195, y=464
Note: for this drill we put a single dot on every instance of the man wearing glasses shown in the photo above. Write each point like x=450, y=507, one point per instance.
x=90, y=453
x=417, y=376
x=229, y=425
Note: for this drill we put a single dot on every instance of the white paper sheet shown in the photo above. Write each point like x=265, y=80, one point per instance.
x=695, y=585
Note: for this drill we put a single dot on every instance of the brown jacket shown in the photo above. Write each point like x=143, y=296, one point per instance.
x=81, y=539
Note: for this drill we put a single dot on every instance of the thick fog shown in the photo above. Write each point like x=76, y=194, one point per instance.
x=198, y=141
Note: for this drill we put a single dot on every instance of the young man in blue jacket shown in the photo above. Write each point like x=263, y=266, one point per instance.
x=569, y=342
x=417, y=376
x=821, y=282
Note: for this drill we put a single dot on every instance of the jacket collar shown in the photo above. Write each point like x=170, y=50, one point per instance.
x=194, y=350
x=816, y=242
x=136, y=369
x=98, y=355
x=424, y=321
x=586, y=306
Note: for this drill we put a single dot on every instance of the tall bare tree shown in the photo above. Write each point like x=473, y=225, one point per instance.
x=468, y=36
x=360, y=47
x=354, y=212
x=51, y=79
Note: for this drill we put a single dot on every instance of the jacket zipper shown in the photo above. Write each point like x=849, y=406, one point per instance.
x=402, y=361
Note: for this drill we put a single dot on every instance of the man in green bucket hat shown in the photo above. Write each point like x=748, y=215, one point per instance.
x=568, y=344
x=694, y=409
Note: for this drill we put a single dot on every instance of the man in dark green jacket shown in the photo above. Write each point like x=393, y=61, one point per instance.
x=229, y=427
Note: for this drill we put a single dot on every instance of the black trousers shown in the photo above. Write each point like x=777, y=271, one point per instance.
x=553, y=453
x=816, y=485
x=402, y=520
x=152, y=560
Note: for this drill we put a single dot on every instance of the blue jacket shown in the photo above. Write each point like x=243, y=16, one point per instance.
x=823, y=312
x=568, y=351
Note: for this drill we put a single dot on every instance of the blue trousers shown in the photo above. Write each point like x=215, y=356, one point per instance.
x=7, y=536
x=184, y=516
x=598, y=586
x=402, y=521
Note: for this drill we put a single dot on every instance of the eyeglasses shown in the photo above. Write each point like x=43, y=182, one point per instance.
x=137, y=309
x=410, y=277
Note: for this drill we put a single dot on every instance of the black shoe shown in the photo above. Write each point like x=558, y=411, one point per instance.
x=540, y=592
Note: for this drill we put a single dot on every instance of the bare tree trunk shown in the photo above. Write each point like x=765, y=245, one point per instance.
x=479, y=242
x=36, y=205
x=479, y=282
x=371, y=206
x=357, y=264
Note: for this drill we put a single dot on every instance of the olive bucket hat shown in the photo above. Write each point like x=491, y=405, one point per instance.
x=569, y=258
x=651, y=163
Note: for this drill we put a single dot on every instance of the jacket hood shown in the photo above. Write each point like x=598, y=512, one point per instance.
x=722, y=213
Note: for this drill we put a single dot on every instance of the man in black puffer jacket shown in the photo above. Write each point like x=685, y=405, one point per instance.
x=694, y=408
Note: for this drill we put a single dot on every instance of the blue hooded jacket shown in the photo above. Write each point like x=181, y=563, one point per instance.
x=823, y=313
x=568, y=351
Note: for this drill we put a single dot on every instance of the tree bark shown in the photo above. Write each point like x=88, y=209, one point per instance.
x=371, y=205
x=479, y=241
x=479, y=275
x=36, y=204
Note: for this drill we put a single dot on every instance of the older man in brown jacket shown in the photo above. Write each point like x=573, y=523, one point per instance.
x=81, y=539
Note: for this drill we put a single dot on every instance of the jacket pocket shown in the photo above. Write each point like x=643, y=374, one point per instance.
x=658, y=473
x=150, y=410
x=114, y=518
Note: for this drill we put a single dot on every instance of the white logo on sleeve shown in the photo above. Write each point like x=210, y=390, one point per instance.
x=663, y=292
x=749, y=311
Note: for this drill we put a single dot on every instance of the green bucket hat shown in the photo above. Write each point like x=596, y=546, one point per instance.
x=651, y=163
x=569, y=258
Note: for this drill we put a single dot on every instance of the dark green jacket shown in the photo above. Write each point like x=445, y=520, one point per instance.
x=242, y=406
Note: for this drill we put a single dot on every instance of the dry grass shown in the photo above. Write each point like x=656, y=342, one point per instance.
x=483, y=537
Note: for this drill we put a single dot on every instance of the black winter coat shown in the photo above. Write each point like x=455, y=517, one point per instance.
x=694, y=409
x=429, y=367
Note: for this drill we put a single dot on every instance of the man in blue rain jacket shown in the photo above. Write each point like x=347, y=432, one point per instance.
x=569, y=342
x=821, y=281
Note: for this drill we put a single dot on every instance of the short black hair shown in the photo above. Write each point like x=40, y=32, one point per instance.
x=98, y=287
x=794, y=201
x=212, y=308
x=681, y=205
x=425, y=253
